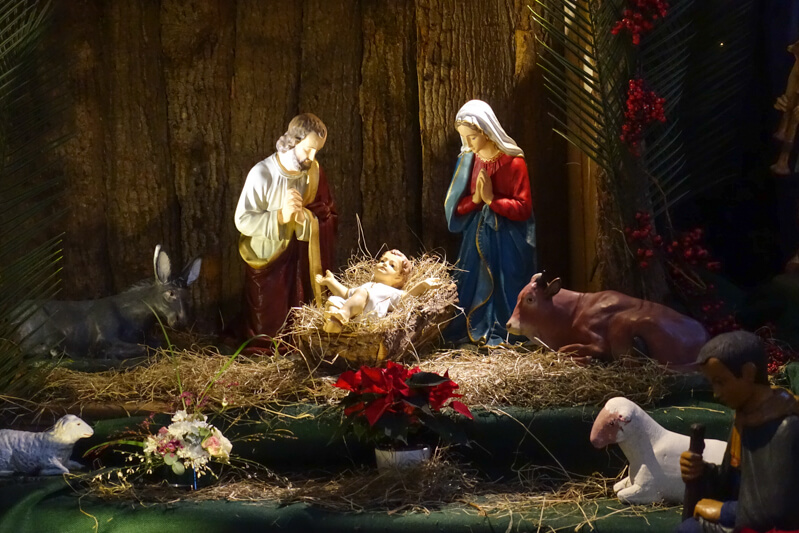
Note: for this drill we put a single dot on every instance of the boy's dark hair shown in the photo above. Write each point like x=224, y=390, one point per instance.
x=734, y=350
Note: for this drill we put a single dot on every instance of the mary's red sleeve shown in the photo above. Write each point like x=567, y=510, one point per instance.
x=512, y=196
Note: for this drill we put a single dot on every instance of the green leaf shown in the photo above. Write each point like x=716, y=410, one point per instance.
x=178, y=468
x=425, y=379
x=416, y=401
x=137, y=443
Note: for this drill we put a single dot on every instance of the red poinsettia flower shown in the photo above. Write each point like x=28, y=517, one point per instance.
x=442, y=392
x=376, y=409
x=377, y=392
x=462, y=409
x=354, y=409
x=349, y=380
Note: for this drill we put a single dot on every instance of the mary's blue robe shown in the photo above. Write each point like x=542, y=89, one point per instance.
x=496, y=260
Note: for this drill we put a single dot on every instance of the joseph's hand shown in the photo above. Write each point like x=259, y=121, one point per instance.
x=292, y=208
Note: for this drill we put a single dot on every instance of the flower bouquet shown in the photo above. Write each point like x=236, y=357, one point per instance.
x=189, y=442
x=394, y=405
x=188, y=445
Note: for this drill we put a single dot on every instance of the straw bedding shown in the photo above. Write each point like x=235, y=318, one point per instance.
x=537, y=493
x=519, y=376
x=490, y=377
x=499, y=376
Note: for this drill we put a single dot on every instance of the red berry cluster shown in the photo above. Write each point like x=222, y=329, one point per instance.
x=643, y=108
x=686, y=255
x=639, y=17
x=690, y=248
x=684, y=258
x=777, y=354
x=644, y=238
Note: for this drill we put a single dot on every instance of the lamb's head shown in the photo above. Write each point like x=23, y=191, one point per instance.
x=612, y=424
x=70, y=429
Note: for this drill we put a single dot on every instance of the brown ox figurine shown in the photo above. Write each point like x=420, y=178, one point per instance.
x=605, y=325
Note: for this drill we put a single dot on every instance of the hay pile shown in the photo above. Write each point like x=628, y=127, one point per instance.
x=502, y=376
x=537, y=496
x=404, y=332
x=415, y=489
x=432, y=485
x=542, y=378
x=246, y=383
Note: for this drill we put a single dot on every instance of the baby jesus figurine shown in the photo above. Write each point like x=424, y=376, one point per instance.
x=379, y=296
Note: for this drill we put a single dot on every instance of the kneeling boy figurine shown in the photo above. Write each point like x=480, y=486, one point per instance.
x=379, y=296
x=757, y=485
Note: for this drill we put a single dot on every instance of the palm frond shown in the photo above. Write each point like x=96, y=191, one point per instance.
x=31, y=98
x=664, y=62
x=587, y=97
x=587, y=69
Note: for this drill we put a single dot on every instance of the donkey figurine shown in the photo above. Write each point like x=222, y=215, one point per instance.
x=113, y=327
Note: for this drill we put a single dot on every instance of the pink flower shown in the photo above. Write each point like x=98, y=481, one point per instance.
x=217, y=446
x=213, y=445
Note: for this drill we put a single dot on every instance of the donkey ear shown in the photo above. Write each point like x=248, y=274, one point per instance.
x=162, y=266
x=192, y=271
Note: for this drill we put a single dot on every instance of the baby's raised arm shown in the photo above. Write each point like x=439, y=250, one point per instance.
x=335, y=286
x=423, y=286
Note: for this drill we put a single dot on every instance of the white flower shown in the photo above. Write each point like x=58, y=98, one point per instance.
x=182, y=415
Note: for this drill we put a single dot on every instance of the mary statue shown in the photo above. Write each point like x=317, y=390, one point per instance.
x=490, y=203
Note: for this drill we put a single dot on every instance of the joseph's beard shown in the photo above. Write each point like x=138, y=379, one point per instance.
x=306, y=164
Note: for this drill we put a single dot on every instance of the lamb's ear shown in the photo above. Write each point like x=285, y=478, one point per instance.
x=59, y=424
x=192, y=271
x=162, y=265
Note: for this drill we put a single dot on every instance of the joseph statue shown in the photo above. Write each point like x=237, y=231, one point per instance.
x=287, y=219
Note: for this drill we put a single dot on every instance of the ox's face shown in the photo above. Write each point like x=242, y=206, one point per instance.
x=611, y=423
x=533, y=303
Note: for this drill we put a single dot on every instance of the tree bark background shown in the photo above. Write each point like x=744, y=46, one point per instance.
x=174, y=101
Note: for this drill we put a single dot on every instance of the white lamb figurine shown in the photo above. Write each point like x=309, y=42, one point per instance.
x=44, y=453
x=653, y=452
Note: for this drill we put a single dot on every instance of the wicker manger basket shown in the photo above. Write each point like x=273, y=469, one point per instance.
x=401, y=335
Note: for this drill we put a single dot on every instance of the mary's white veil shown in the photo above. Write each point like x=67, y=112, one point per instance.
x=480, y=114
